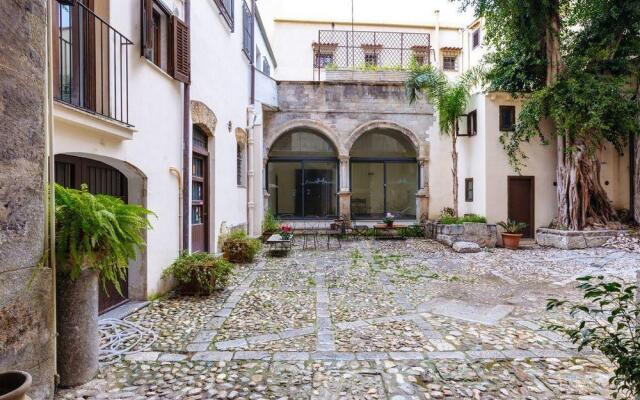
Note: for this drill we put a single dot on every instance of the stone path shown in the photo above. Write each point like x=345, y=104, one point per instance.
x=375, y=320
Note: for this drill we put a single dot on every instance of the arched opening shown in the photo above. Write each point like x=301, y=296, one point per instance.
x=302, y=176
x=384, y=175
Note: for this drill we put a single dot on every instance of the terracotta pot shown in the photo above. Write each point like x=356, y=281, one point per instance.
x=14, y=385
x=511, y=240
x=389, y=224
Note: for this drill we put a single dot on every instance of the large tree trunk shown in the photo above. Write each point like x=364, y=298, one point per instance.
x=454, y=171
x=636, y=182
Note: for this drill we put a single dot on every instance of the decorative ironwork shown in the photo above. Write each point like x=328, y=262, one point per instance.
x=370, y=50
x=226, y=10
x=247, y=31
x=91, y=63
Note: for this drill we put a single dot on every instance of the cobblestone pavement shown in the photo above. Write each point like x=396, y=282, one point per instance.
x=373, y=320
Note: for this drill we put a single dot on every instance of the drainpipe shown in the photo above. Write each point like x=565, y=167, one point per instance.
x=251, y=125
x=176, y=172
x=50, y=232
x=186, y=144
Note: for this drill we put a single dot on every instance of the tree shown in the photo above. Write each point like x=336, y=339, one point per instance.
x=576, y=61
x=450, y=101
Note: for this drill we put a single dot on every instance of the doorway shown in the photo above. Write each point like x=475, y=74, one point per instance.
x=200, y=192
x=521, y=202
x=100, y=178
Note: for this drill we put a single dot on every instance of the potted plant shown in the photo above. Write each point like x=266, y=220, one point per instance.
x=270, y=225
x=286, y=232
x=511, y=235
x=239, y=248
x=14, y=385
x=199, y=273
x=96, y=236
x=388, y=219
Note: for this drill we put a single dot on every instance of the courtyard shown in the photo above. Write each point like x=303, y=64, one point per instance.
x=372, y=320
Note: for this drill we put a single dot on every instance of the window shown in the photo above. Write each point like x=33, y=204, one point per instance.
x=449, y=63
x=420, y=54
x=323, y=59
x=468, y=190
x=258, y=60
x=371, y=59
x=266, y=68
x=240, y=164
x=247, y=31
x=507, y=118
x=226, y=11
x=472, y=123
x=475, y=38
x=157, y=38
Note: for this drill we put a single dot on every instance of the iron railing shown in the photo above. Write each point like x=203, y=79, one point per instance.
x=226, y=10
x=369, y=50
x=91, y=63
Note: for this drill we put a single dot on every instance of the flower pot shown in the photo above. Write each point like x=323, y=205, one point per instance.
x=14, y=385
x=389, y=224
x=511, y=240
x=77, y=323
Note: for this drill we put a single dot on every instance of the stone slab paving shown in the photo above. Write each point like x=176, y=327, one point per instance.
x=375, y=320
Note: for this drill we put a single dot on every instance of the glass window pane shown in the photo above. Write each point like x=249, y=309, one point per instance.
x=196, y=214
x=285, y=188
x=198, y=167
x=301, y=144
x=197, y=192
x=367, y=190
x=320, y=189
x=383, y=143
x=402, y=184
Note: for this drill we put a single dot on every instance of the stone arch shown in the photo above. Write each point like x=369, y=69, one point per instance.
x=317, y=126
x=382, y=124
x=203, y=117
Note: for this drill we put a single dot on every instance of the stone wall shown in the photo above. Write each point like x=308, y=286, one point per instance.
x=26, y=313
x=485, y=235
x=570, y=240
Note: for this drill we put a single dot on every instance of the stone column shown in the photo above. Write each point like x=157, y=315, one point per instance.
x=344, y=194
x=422, y=197
x=265, y=189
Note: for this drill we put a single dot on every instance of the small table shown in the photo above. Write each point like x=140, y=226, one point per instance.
x=278, y=246
x=390, y=232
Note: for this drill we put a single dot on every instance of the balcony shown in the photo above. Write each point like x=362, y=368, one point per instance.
x=266, y=89
x=90, y=64
x=368, y=55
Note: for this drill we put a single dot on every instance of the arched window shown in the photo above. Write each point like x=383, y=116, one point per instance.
x=302, y=176
x=384, y=175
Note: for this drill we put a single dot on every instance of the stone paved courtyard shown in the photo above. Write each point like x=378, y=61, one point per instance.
x=373, y=320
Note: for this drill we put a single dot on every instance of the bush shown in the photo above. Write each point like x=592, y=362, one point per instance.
x=97, y=231
x=414, y=230
x=270, y=224
x=239, y=248
x=451, y=220
x=607, y=321
x=199, y=273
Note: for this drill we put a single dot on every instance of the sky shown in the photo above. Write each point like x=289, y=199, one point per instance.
x=418, y=12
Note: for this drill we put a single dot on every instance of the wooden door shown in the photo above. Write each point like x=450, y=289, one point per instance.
x=521, y=202
x=71, y=171
x=199, y=193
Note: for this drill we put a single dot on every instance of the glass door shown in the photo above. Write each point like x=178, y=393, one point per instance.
x=367, y=189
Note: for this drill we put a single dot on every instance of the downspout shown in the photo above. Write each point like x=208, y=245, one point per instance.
x=186, y=144
x=50, y=206
x=176, y=172
x=249, y=177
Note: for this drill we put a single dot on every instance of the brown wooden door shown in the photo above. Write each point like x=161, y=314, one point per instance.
x=521, y=200
x=71, y=171
x=199, y=193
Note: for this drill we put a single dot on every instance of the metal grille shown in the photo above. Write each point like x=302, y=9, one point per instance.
x=226, y=10
x=247, y=31
x=370, y=50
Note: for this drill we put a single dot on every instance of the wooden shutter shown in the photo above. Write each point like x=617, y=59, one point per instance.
x=179, y=51
x=146, y=30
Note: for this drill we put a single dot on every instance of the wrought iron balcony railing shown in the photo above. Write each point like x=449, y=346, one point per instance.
x=91, y=63
x=370, y=50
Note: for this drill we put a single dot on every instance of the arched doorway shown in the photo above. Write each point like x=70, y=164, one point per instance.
x=302, y=176
x=384, y=175
x=100, y=178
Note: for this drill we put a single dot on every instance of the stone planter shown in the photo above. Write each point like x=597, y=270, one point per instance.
x=367, y=76
x=14, y=385
x=484, y=235
x=570, y=240
x=77, y=323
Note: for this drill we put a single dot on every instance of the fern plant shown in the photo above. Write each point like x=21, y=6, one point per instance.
x=97, y=231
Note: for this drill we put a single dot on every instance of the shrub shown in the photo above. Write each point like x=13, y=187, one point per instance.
x=414, y=230
x=270, y=224
x=199, y=273
x=97, y=231
x=446, y=219
x=607, y=321
x=238, y=247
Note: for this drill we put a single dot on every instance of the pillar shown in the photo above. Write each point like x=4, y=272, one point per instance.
x=344, y=194
x=422, y=197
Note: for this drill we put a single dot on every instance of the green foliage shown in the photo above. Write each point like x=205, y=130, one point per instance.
x=512, y=226
x=271, y=223
x=238, y=247
x=97, y=231
x=609, y=321
x=452, y=220
x=413, y=230
x=199, y=273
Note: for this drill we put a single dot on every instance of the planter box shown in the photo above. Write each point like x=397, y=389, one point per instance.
x=570, y=240
x=485, y=235
x=367, y=76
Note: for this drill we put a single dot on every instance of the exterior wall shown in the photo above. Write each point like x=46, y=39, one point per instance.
x=26, y=296
x=156, y=146
x=472, y=155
